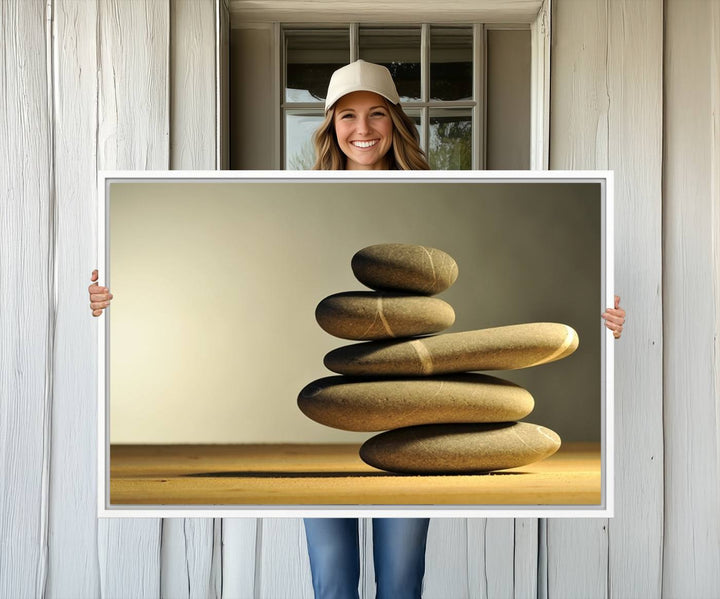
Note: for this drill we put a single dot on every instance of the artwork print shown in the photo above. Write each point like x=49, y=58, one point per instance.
x=319, y=344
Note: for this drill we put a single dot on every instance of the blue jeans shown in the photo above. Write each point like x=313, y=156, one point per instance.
x=398, y=553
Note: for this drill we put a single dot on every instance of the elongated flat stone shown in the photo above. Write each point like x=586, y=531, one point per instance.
x=459, y=448
x=501, y=348
x=363, y=315
x=355, y=404
x=404, y=267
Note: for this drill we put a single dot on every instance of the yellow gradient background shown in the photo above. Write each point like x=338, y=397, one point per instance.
x=212, y=327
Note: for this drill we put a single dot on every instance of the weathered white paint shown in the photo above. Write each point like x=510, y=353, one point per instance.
x=491, y=554
x=191, y=553
x=192, y=85
x=525, y=563
x=190, y=564
x=447, y=558
x=399, y=11
x=635, y=86
x=187, y=556
x=577, y=559
x=691, y=303
x=240, y=537
x=282, y=566
x=577, y=549
x=72, y=544
x=133, y=131
x=27, y=310
x=606, y=112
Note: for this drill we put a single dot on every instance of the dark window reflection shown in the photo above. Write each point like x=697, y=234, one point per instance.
x=451, y=63
x=397, y=49
x=311, y=58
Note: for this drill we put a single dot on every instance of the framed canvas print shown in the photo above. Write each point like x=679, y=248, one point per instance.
x=372, y=344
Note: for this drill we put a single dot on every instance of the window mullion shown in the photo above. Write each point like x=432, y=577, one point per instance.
x=354, y=41
x=280, y=151
x=425, y=85
x=479, y=85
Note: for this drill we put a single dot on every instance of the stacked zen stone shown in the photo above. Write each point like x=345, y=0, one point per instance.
x=447, y=420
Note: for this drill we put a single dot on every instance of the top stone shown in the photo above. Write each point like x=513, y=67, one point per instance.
x=404, y=267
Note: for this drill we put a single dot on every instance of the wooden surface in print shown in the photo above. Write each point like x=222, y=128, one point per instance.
x=306, y=474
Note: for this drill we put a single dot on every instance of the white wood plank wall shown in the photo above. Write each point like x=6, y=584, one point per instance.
x=73, y=542
x=133, y=132
x=606, y=113
x=118, y=84
x=27, y=314
x=691, y=300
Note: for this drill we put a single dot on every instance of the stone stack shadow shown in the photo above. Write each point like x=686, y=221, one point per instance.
x=439, y=417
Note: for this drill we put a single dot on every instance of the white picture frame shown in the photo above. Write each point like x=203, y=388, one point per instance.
x=354, y=180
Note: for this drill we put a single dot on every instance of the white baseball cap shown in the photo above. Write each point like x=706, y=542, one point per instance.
x=361, y=76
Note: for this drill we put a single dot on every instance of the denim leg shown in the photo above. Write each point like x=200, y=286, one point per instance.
x=399, y=553
x=334, y=557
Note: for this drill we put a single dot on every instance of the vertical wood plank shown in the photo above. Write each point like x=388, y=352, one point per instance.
x=192, y=85
x=577, y=558
x=27, y=305
x=282, y=568
x=526, y=558
x=608, y=89
x=491, y=548
x=129, y=558
x=216, y=568
x=72, y=544
x=577, y=551
x=187, y=558
x=447, y=558
x=635, y=89
x=133, y=129
x=189, y=565
x=691, y=301
x=367, y=565
x=240, y=544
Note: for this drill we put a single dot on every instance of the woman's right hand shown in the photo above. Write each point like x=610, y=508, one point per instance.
x=99, y=296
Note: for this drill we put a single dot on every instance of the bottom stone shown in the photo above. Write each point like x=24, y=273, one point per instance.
x=459, y=448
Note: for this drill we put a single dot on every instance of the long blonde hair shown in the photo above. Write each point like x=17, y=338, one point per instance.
x=405, y=153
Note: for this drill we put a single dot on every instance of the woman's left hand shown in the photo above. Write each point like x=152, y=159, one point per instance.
x=615, y=318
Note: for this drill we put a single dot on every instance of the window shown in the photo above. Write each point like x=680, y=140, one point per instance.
x=434, y=68
x=468, y=88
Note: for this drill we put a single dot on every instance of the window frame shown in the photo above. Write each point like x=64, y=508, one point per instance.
x=476, y=106
x=537, y=18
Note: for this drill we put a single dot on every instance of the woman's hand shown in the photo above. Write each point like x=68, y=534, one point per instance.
x=99, y=296
x=615, y=318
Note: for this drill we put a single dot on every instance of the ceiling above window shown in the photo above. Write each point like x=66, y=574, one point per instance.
x=397, y=11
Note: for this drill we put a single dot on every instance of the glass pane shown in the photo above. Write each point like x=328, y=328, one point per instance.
x=451, y=58
x=310, y=59
x=398, y=50
x=450, y=139
x=299, y=149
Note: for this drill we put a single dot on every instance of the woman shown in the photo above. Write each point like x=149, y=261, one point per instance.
x=365, y=129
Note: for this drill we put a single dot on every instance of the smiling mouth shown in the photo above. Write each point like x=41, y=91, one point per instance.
x=364, y=144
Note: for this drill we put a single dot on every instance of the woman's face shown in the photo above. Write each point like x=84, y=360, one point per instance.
x=364, y=130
